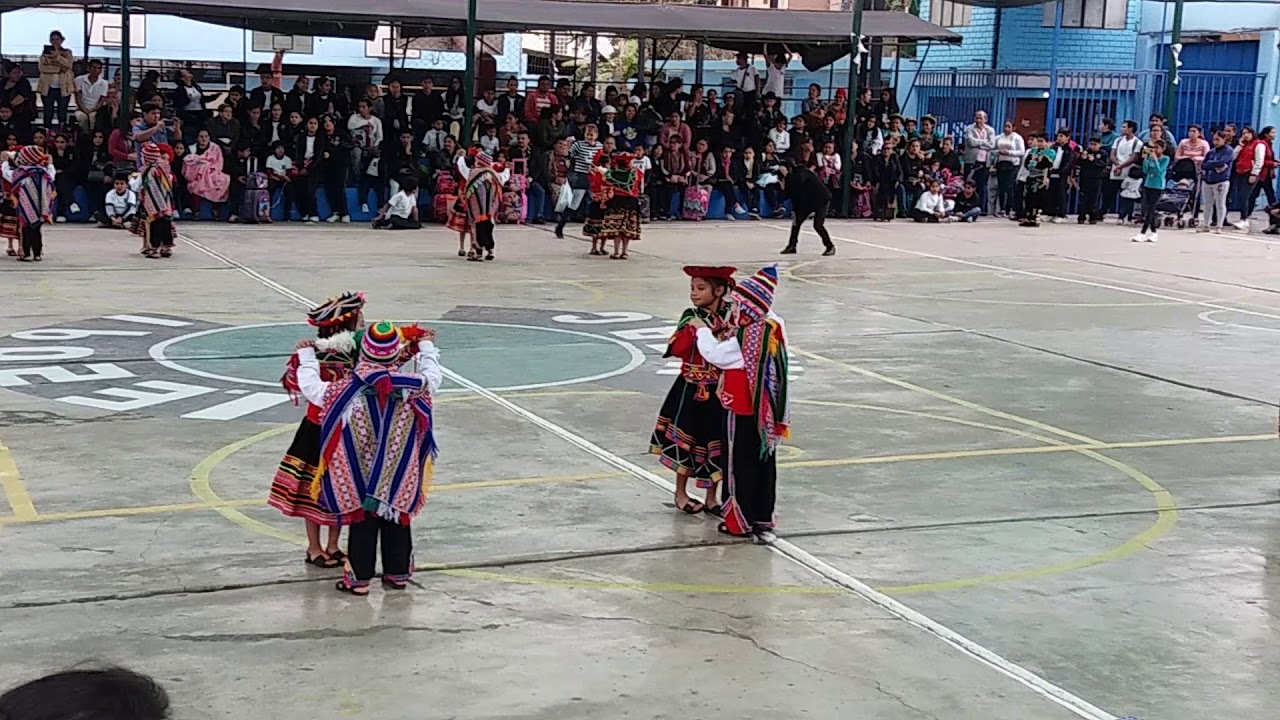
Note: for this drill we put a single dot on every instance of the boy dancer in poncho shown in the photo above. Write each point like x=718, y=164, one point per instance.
x=8, y=216
x=33, y=198
x=337, y=321
x=377, y=449
x=482, y=195
x=621, y=222
x=690, y=434
x=754, y=389
x=154, y=186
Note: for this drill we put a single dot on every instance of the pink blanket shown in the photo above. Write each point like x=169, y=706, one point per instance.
x=204, y=174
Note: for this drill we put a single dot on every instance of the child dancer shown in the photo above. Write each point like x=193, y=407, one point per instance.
x=754, y=388
x=621, y=221
x=154, y=186
x=337, y=320
x=482, y=195
x=689, y=437
x=8, y=214
x=34, y=196
x=1038, y=164
x=377, y=447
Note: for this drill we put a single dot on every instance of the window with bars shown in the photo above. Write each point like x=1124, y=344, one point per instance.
x=1099, y=14
x=949, y=13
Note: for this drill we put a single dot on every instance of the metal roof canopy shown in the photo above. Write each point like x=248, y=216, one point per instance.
x=819, y=37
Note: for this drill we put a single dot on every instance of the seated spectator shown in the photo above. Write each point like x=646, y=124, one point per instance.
x=486, y=115
x=97, y=169
x=798, y=135
x=609, y=123
x=729, y=134
x=746, y=174
x=120, y=205
x=769, y=180
x=433, y=140
x=206, y=179
x=860, y=185
x=252, y=133
x=181, y=195
x=676, y=175
x=335, y=161
x=91, y=94
x=489, y=141
x=724, y=181
x=240, y=165
x=402, y=160
x=629, y=137
x=17, y=126
x=947, y=157
x=401, y=211
x=224, y=128
x=702, y=164
x=509, y=130
x=826, y=133
x=675, y=127
x=814, y=101
x=770, y=113
x=511, y=102
x=931, y=207
x=830, y=168
x=968, y=205
x=780, y=138
x=279, y=170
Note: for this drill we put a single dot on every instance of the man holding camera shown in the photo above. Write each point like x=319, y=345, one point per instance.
x=154, y=127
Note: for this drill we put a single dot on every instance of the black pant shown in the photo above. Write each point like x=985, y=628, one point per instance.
x=1110, y=194
x=484, y=235
x=921, y=216
x=235, y=196
x=33, y=240
x=286, y=196
x=755, y=480
x=395, y=222
x=65, y=183
x=819, y=224
x=1149, y=198
x=335, y=190
x=304, y=193
x=160, y=233
x=1058, y=191
x=1258, y=188
x=753, y=197
x=1091, y=207
x=397, y=549
x=666, y=193
x=883, y=201
x=773, y=193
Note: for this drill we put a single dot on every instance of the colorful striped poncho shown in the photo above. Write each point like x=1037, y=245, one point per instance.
x=482, y=195
x=155, y=194
x=377, y=446
x=33, y=195
x=764, y=355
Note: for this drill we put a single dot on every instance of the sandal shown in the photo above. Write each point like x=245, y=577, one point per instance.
x=623, y=256
x=23, y=258
x=12, y=252
x=488, y=256
x=337, y=555
x=692, y=508
x=393, y=585
x=615, y=256
x=343, y=587
x=323, y=562
x=713, y=509
x=462, y=253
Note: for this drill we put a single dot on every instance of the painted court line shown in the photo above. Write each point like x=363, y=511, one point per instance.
x=147, y=320
x=1046, y=276
x=15, y=491
x=1039, y=685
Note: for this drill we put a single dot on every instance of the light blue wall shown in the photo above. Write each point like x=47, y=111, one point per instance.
x=24, y=32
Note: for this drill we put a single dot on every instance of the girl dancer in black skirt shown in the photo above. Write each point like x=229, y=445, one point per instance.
x=689, y=437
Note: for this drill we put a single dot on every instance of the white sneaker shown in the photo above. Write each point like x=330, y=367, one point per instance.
x=1241, y=225
x=75, y=209
x=61, y=219
x=364, y=208
x=1153, y=237
x=1138, y=238
x=346, y=218
x=1056, y=221
x=1120, y=221
x=313, y=219
x=1202, y=229
x=729, y=216
x=332, y=218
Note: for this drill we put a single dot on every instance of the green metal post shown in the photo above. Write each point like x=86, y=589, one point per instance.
x=126, y=86
x=850, y=120
x=469, y=81
x=1171, y=88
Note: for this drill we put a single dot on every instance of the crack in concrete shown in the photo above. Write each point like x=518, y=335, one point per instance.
x=327, y=633
x=898, y=699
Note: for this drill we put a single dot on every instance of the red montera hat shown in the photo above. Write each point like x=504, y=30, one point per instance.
x=722, y=272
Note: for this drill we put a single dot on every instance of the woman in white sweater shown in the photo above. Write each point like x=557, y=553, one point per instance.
x=1010, y=149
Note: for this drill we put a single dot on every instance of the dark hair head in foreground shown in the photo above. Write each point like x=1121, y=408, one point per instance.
x=87, y=694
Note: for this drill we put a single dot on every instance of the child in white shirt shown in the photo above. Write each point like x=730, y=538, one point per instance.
x=401, y=211
x=120, y=206
x=932, y=206
x=780, y=138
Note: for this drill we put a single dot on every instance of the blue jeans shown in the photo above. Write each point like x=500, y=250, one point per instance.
x=55, y=104
x=537, y=201
x=970, y=215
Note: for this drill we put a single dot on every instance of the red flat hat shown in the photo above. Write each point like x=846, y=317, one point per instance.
x=722, y=272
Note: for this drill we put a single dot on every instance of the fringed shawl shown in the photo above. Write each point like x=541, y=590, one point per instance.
x=764, y=354
x=377, y=446
x=33, y=195
x=156, y=192
x=482, y=194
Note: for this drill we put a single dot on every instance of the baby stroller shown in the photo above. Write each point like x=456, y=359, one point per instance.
x=1177, y=201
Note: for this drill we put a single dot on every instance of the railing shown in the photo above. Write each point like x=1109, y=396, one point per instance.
x=1084, y=98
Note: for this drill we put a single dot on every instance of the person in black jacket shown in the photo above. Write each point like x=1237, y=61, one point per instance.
x=324, y=101
x=886, y=174
x=334, y=162
x=428, y=106
x=809, y=196
x=308, y=168
x=1095, y=168
x=1062, y=176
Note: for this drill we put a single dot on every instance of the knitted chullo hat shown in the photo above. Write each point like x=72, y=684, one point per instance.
x=381, y=343
x=754, y=294
x=31, y=155
x=152, y=154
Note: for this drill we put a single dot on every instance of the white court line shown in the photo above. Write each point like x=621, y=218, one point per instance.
x=786, y=549
x=1042, y=276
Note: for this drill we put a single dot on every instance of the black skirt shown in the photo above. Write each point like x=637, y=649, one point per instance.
x=689, y=436
x=753, y=480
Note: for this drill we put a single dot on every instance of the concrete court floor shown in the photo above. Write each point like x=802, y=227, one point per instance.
x=1055, y=444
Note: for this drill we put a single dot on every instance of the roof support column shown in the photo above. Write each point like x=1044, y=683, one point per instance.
x=855, y=47
x=469, y=80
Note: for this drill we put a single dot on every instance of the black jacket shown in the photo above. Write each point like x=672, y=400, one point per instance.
x=299, y=154
x=428, y=107
x=806, y=190
x=317, y=105
x=884, y=171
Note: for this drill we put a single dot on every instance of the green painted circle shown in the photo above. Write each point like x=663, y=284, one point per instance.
x=493, y=356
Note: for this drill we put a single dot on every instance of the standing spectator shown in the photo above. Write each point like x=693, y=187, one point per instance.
x=266, y=94
x=1154, y=123
x=511, y=102
x=747, y=80
x=57, y=81
x=188, y=101
x=428, y=106
x=1062, y=174
x=366, y=139
x=775, y=73
x=1256, y=166
x=539, y=100
x=1125, y=152
x=1010, y=149
x=1155, y=166
x=886, y=175
x=1216, y=184
x=979, y=142
x=1094, y=163
x=1107, y=134
x=335, y=162
x=395, y=113
x=18, y=95
x=151, y=127
x=91, y=94
x=887, y=106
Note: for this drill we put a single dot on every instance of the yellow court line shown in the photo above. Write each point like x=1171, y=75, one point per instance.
x=15, y=491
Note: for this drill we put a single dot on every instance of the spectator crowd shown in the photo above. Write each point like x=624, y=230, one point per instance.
x=689, y=141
